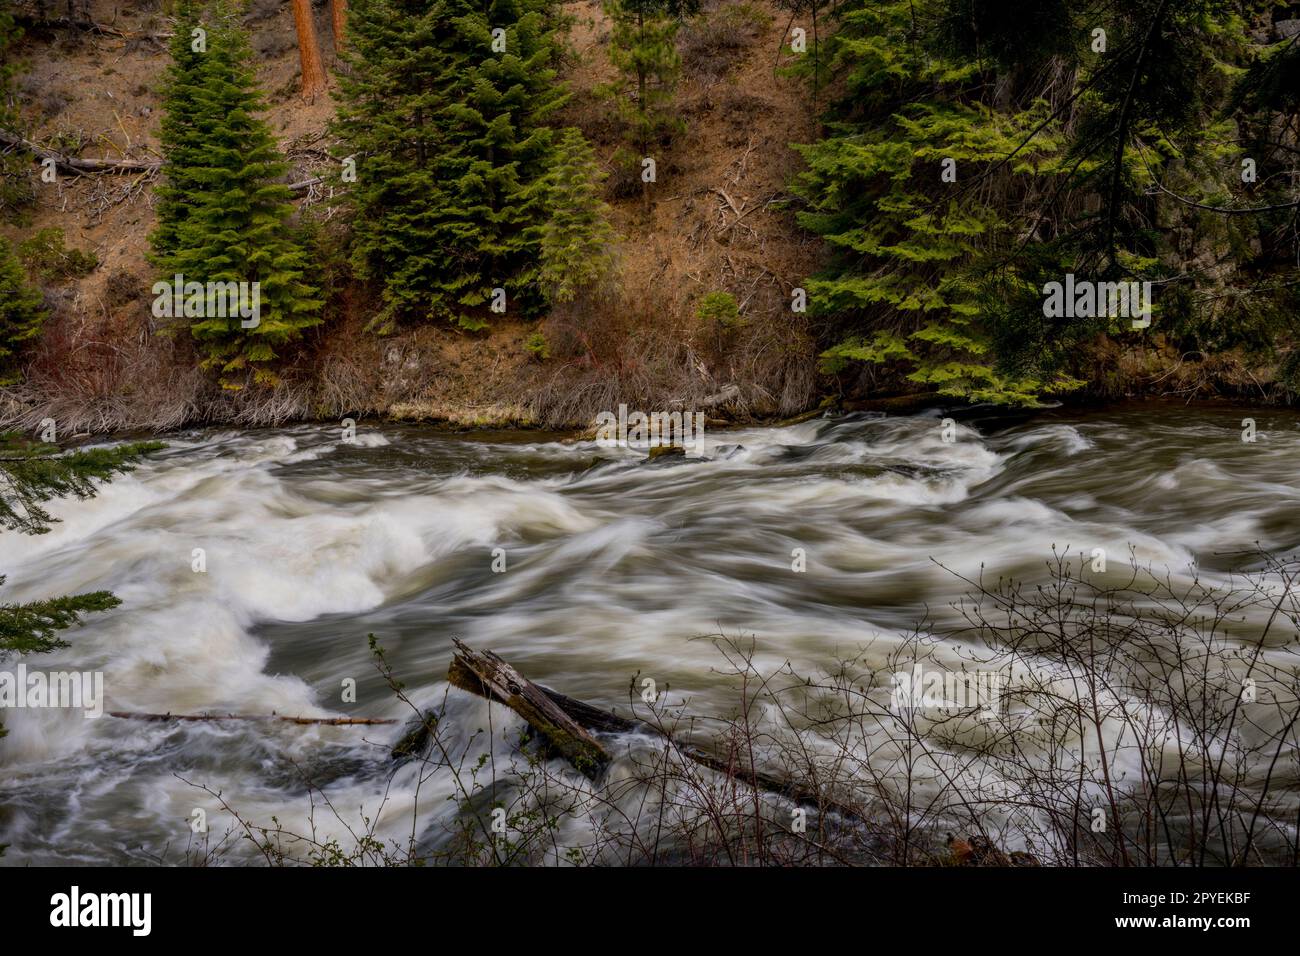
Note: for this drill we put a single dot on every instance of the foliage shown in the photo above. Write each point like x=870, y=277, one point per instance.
x=643, y=49
x=32, y=473
x=577, y=243
x=35, y=472
x=46, y=254
x=453, y=157
x=537, y=346
x=720, y=308
x=226, y=216
x=180, y=131
x=15, y=185
x=976, y=150
x=22, y=312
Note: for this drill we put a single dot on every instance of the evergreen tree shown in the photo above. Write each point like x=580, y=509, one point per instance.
x=904, y=236
x=577, y=241
x=179, y=131
x=22, y=312
x=234, y=227
x=15, y=187
x=978, y=149
x=643, y=49
x=445, y=121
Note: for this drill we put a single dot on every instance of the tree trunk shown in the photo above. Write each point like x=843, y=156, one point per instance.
x=74, y=166
x=313, y=74
x=71, y=164
x=488, y=675
x=340, y=9
x=564, y=721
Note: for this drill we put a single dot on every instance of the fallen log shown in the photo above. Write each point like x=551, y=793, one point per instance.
x=489, y=676
x=76, y=166
x=86, y=26
x=325, y=721
x=464, y=673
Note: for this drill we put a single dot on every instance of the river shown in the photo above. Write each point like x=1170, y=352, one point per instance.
x=613, y=568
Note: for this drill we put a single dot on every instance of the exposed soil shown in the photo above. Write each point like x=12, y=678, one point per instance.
x=105, y=365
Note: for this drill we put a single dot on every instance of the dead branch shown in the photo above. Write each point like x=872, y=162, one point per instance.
x=467, y=673
x=325, y=721
x=76, y=166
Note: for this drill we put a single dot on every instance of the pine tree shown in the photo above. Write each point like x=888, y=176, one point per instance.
x=235, y=227
x=15, y=187
x=1058, y=124
x=179, y=131
x=577, y=241
x=643, y=49
x=447, y=131
x=904, y=239
x=22, y=312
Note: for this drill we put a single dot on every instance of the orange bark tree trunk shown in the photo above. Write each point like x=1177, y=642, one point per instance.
x=313, y=73
x=340, y=8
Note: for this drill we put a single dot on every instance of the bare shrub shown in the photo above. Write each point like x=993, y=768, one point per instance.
x=711, y=43
x=122, y=287
x=1125, y=737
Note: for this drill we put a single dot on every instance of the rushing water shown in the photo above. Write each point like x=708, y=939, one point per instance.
x=613, y=567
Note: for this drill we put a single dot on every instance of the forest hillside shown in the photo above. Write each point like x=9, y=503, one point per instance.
x=849, y=202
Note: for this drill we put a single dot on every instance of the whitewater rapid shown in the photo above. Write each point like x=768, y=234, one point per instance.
x=613, y=567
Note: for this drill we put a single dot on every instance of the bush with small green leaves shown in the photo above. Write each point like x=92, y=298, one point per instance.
x=719, y=307
x=47, y=255
x=538, y=346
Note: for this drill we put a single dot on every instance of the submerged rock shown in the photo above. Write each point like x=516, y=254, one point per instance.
x=670, y=455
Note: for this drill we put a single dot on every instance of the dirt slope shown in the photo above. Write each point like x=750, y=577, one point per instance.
x=105, y=365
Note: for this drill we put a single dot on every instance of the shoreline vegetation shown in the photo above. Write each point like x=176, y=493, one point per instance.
x=660, y=203
x=984, y=415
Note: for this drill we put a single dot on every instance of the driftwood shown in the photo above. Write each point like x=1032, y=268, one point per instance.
x=467, y=672
x=489, y=676
x=326, y=721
